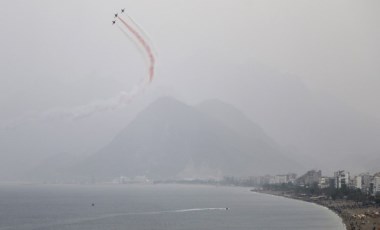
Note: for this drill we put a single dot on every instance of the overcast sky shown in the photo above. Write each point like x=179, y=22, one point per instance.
x=66, y=53
x=268, y=58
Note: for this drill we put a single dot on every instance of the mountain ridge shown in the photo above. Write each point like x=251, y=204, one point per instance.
x=170, y=139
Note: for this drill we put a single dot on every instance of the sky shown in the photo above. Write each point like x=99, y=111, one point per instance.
x=66, y=53
x=62, y=55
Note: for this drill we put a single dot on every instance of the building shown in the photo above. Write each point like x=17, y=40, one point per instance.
x=341, y=179
x=284, y=179
x=309, y=178
x=358, y=182
x=376, y=183
x=371, y=190
x=326, y=182
x=362, y=182
x=292, y=177
x=131, y=180
x=267, y=179
x=280, y=179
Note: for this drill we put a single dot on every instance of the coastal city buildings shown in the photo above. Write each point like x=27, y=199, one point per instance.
x=376, y=184
x=358, y=182
x=341, y=178
x=280, y=179
x=325, y=182
x=355, y=198
x=362, y=182
x=284, y=179
x=131, y=180
x=368, y=184
x=309, y=178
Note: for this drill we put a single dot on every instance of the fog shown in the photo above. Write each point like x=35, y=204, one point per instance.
x=305, y=72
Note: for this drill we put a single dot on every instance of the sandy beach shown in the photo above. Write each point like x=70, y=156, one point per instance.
x=354, y=214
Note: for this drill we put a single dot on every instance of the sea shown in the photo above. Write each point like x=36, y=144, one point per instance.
x=155, y=207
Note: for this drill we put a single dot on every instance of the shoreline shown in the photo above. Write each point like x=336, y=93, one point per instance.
x=353, y=216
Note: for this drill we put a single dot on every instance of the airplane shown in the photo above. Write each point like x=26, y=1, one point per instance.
x=122, y=10
x=113, y=22
x=115, y=15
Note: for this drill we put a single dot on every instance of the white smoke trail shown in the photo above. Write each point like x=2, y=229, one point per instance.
x=83, y=220
x=114, y=103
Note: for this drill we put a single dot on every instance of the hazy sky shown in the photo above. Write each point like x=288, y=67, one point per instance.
x=66, y=53
x=265, y=57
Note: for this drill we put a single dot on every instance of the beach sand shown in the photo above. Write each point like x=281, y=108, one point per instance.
x=354, y=215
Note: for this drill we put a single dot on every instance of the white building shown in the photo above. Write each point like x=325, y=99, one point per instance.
x=272, y=180
x=362, y=182
x=341, y=178
x=324, y=182
x=280, y=179
x=358, y=181
x=285, y=178
x=376, y=185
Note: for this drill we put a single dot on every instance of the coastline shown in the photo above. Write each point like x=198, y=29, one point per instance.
x=353, y=215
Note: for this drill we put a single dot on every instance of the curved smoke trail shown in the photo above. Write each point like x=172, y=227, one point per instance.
x=144, y=81
x=140, y=30
x=144, y=44
x=116, y=102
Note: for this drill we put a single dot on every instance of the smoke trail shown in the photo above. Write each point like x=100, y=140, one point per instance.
x=138, y=28
x=145, y=46
x=114, y=103
x=141, y=49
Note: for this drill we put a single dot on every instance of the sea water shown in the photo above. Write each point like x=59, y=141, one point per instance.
x=155, y=207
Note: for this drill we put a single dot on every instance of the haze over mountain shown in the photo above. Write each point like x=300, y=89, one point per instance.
x=306, y=72
x=171, y=140
x=321, y=130
x=308, y=123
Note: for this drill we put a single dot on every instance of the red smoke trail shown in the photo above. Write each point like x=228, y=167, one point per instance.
x=145, y=45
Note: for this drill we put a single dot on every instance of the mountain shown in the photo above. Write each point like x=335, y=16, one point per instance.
x=235, y=120
x=323, y=131
x=172, y=140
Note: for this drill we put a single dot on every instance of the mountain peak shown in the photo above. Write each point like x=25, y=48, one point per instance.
x=170, y=139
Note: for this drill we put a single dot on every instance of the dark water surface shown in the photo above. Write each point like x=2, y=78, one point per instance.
x=155, y=207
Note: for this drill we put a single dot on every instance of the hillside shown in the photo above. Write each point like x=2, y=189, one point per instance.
x=170, y=139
